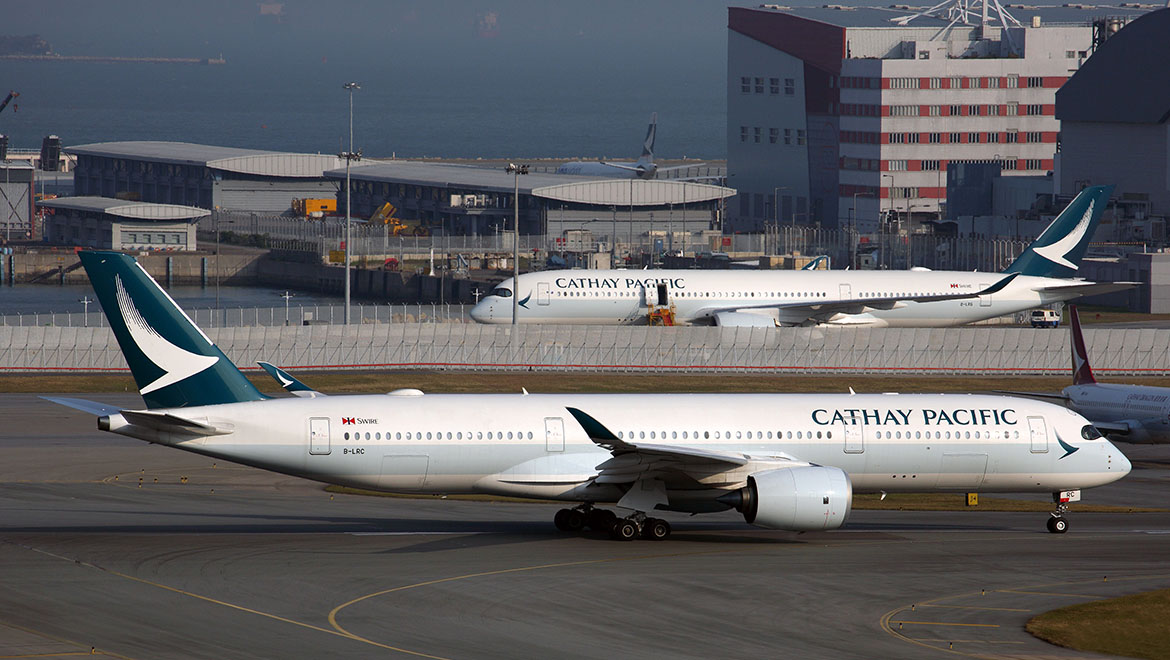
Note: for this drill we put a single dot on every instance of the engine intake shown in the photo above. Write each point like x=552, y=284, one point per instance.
x=798, y=499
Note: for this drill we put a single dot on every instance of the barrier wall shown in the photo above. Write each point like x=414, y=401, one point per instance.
x=971, y=351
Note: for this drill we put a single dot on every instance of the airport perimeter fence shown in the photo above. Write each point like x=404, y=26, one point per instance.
x=628, y=349
x=229, y=317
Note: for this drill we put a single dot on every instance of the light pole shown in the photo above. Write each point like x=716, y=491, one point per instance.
x=84, y=300
x=287, y=296
x=516, y=170
x=349, y=156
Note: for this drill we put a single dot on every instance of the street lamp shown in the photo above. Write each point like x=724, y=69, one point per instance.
x=516, y=170
x=349, y=156
x=287, y=296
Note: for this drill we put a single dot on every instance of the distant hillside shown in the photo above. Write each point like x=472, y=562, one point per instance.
x=31, y=44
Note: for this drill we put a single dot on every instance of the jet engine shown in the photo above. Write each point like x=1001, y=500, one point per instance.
x=798, y=499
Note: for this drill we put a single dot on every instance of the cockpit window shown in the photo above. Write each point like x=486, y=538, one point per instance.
x=1090, y=432
x=501, y=292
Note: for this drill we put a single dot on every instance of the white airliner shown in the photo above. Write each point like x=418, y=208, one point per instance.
x=914, y=298
x=1130, y=413
x=643, y=168
x=787, y=461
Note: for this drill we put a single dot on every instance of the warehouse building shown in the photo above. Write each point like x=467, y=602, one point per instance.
x=204, y=176
x=844, y=116
x=478, y=201
x=1115, y=126
x=114, y=224
x=16, y=199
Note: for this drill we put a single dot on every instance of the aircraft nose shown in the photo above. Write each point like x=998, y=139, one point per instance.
x=1120, y=462
x=480, y=313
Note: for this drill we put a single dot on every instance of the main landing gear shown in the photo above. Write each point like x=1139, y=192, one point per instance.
x=621, y=529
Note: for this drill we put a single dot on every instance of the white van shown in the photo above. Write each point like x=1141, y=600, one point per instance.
x=1045, y=318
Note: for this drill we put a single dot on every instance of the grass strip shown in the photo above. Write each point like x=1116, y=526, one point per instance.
x=1131, y=626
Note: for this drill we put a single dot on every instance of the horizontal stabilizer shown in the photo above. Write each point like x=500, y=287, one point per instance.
x=169, y=423
x=1088, y=288
x=92, y=407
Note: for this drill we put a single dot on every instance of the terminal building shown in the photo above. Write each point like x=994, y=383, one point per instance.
x=203, y=176
x=845, y=116
x=106, y=223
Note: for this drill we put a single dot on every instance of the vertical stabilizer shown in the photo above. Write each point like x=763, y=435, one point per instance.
x=1082, y=372
x=173, y=362
x=648, y=145
x=1058, y=251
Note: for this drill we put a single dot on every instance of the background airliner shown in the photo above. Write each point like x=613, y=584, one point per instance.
x=643, y=168
x=913, y=298
x=1131, y=413
x=786, y=461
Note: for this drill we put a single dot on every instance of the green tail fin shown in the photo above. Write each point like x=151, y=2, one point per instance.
x=1058, y=251
x=173, y=362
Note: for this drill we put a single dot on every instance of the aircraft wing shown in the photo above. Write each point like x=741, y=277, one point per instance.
x=1034, y=395
x=1120, y=428
x=622, y=167
x=801, y=313
x=290, y=384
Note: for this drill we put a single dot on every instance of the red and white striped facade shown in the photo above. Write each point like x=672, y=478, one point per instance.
x=886, y=111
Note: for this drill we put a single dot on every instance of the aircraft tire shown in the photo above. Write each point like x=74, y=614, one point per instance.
x=600, y=520
x=561, y=520
x=574, y=520
x=624, y=530
x=656, y=529
x=1057, y=525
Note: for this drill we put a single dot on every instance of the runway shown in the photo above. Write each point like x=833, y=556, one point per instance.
x=242, y=563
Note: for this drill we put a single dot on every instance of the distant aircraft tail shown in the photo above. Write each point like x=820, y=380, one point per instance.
x=648, y=145
x=1058, y=251
x=173, y=362
x=1082, y=372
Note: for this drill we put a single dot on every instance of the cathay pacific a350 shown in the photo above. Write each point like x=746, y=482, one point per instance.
x=1042, y=275
x=786, y=461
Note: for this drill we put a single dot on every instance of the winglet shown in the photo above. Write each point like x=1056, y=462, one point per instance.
x=999, y=286
x=287, y=381
x=596, y=431
x=1082, y=372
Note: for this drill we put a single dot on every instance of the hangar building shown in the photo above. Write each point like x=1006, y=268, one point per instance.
x=205, y=176
x=116, y=224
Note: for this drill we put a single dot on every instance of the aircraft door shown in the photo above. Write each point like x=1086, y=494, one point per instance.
x=663, y=294
x=1039, y=432
x=984, y=301
x=319, y=435
x=542, y=295
x=846, y=292
x=854, y=438
x=554, y=434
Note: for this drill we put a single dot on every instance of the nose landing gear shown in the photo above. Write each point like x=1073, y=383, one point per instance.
x=1056, y=523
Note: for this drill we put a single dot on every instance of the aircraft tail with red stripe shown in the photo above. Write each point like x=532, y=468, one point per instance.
x=1082, y=372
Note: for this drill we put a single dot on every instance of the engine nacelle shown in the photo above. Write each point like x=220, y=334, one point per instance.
x=799, y=499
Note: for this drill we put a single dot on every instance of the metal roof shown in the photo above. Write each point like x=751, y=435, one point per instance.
x=561, y=187
x=227, y=159
x=871, y=16
x=126, y=209
x=620, y=192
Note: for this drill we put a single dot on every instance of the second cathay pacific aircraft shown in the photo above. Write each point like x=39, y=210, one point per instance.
x=786, y=461
x=915, y=298
x=643, y=168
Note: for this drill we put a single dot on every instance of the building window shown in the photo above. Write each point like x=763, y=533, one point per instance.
x=1012, y=109
x=956, y=110
x=936, y=83
x=800, y=136
x=1008, y=164
x=788, y=136
x=897, y=138
x=1035, y=81
x=773, y=86
x=757, y=132
x=789, y=86
x=924, y=54
x=973, y=110
x=903, y=193
x=1011, y=136
x=931, y=165
x=1034, y=136
x=935, y=110
x=903, y=111
x=1034, y=164
x=1034, y=109
x=903, y=83
x=912, y=138
x=972, y=138
x=972, y=83
x=1013, y=80
x=898, y=165
x=759, y=85
x=773, y=135
x=745, y=85
x=956, y=82
x=935, y=138
x=993, y=110
x=993, y=137
x=956, y=138
x=1070, y=54
x=743, y=133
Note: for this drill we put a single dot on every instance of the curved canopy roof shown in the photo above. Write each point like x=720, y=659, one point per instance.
x=636, y=192
x=126, y=209
x=227, y=159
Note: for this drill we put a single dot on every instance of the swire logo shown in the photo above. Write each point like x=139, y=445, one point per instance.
x=348, y=420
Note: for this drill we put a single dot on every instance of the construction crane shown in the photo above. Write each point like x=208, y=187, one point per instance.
x=8, y=99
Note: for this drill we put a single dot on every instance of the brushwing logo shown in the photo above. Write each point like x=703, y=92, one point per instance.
x=1058, y=251
x=177, y=363
x=284, y=380
x=1068, y=449
x=524, y=303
